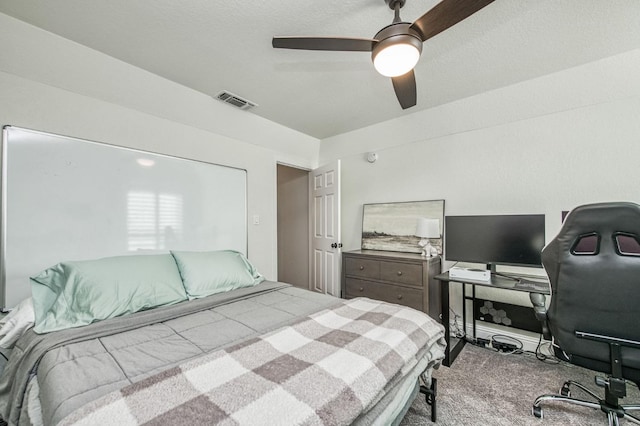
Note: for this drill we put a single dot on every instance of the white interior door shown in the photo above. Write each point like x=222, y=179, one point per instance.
x=325, y=229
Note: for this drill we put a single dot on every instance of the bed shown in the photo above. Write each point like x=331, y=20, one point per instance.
x=250, y=352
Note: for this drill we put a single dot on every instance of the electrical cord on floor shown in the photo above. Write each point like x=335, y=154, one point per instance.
x=547, y=358
x=482, y=343
x=506, y=345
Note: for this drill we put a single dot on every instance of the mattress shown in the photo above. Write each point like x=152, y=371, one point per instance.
x=50, y=376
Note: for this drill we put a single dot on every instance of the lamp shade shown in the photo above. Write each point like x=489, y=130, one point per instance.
x=428, y=228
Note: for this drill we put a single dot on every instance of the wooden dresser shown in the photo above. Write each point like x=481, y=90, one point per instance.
x=402, y=278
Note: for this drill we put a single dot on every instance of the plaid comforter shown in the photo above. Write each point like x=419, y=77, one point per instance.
x=326, y=369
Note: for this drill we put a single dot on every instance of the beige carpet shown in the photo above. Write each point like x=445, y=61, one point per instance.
x=484, y=387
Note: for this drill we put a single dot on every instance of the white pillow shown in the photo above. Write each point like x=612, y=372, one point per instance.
x=16, y=322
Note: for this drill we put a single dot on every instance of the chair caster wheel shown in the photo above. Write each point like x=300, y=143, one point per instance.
x=537, y=411
x=565, y=391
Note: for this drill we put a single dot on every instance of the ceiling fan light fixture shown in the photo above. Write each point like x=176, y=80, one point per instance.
x=397, y=51
x=396, y=59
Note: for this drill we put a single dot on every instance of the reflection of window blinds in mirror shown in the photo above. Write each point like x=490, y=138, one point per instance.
x=70, y=199
x=154, y=220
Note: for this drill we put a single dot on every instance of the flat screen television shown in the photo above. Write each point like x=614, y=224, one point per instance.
x=495, y=240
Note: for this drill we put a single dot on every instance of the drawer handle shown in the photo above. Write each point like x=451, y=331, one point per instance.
x=362, y=268
x=399, y=273
x=399, y=297
x=361, y=288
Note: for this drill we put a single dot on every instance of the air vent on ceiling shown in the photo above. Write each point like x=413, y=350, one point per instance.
x=235, y=100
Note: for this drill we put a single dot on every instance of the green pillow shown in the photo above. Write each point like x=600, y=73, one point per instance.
x=211, y=272
x=73, y=294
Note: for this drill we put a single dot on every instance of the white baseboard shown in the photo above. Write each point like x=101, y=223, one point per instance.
x=529, y=340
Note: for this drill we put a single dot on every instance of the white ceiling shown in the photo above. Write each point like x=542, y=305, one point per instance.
x=214, y=45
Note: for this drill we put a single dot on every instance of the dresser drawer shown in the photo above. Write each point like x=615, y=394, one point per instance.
x=403, y=273
x=388, y=293
x=364, y=268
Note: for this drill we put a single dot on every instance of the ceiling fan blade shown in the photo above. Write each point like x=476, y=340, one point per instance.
x=405, y=87
x=446, y=14
x=325, y=43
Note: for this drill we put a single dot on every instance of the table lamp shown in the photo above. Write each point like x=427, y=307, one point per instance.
x=425, y=229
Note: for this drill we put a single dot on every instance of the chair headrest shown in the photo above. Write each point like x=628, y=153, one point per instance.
x=605, y=220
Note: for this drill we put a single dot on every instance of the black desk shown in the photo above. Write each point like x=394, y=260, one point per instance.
x=529, y=284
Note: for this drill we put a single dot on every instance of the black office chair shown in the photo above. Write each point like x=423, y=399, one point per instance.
x=593, y=318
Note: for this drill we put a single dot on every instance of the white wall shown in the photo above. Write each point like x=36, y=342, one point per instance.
x=50, y=84
x=541, y=146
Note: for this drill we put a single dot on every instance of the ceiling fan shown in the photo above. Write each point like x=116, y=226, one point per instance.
x=395, y=49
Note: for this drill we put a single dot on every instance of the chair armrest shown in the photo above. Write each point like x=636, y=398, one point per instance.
x=608, y=339
x=540, y=311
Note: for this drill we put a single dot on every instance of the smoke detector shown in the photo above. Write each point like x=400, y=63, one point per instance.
x=235, y=100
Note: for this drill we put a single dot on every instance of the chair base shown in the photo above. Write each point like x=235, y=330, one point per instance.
x=613, y=412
